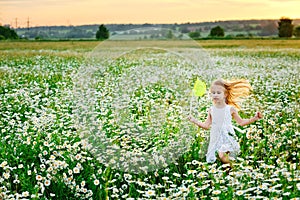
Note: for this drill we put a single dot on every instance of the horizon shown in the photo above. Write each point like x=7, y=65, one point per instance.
x=214, y=21
x=33, y=13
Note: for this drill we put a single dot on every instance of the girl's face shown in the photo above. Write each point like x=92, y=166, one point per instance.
x=217, y=94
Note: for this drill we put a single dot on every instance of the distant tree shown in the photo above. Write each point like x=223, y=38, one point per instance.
x=102, y=33
x=217, y=32
x=297, y=31
x=195, y=34
x=240, y=35
x=285, y=27
x=7, y=33
x=170, y=35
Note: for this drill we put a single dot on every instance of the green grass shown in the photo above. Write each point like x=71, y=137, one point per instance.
x=90, y=45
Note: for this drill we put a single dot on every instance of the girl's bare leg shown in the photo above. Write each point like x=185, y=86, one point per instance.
x=224, y=157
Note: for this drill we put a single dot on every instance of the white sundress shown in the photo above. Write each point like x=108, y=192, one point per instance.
x=221, y=134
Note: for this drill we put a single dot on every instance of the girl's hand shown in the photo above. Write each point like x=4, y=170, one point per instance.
x=258, y=115
x=190, y=118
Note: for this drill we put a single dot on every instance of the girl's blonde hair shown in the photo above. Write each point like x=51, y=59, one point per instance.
x=234, y=90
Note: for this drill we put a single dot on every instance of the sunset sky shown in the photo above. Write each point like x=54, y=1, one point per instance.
x=79, y=12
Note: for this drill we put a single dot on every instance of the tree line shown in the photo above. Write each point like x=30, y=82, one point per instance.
x=7, y=33
x=286, y=29
x=283, y=28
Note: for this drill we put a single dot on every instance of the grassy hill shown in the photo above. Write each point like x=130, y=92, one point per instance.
x=232, y=28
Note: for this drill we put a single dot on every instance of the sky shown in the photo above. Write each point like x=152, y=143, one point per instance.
x=80, y=12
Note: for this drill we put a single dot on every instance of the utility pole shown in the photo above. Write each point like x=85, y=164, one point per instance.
x=28, y=23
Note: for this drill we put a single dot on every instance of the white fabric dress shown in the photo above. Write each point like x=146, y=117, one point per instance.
x=221, y=134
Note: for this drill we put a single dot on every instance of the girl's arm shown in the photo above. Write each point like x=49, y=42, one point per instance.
x=244, y=122
x=204, y=125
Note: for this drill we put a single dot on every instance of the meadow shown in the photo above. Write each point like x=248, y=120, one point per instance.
x=70, y=129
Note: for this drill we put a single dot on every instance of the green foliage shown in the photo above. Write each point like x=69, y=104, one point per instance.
x=217, y=32
x=297, y=31
x=7, y=33
x=102, y=33
x=285, y=27
x=195, y=34
x=170, y=35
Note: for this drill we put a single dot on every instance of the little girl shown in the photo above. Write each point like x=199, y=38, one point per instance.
x=225, y=96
